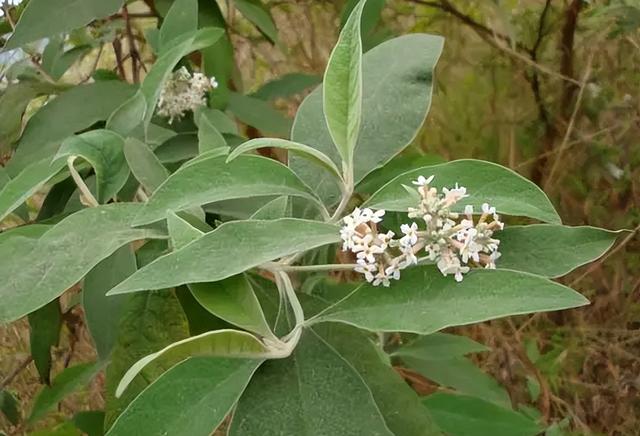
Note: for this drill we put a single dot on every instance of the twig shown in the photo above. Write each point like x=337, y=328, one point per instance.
x=117, y=49
x=572, y=120
x=307, y=268
x=16, y=371
x=133, y=50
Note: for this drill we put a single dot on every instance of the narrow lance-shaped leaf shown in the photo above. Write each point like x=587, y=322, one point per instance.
x=439, y=346
x=10, y=407
x=194, y=184
x=144, y=164
x=209, y=138
x=66, y=253
x=192, y=398
x=219, y=343
x=181, y=19
x=102, y=313
x=65, y=383
x=103, y=150
x=342, y=86
x=227, y=249
x=129, y=115
x=552, y=250
x=310, y=153
x=423, y=301
x=314, y=392
x=256, y=12
x=44, y=333
x=17, y=190
x=486, y=182
x=42, y=18
x=65, y=115
x=276, y=208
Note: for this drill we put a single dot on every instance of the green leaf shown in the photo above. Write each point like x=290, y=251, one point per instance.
x=234, y=301
x=102, y=313
x=10, y=407
x=370, y=14
x=314, y=392
x=462, y=375
x=169, y=58
x=42, y=18
x=396, y=166
x=423, y=301
x=310, y=153
x=103, y=150
x=90, y=422
x=13, y=103
x=56, y=61
x=128, y=115
x=64, y=384
x=219, y=343
x=181, y=231
x=397, y=87
x=258, y=14
x=182, y=18
x=467, y=416
x=65, y=115
x=151, y=321
x=247, y=176
x=227, y=249
x=552, y=250
x=439, y=346
x=486, y=182
x=200, y=319
x=144, y=164
x=273, y=210
x=44, y=333
x=192, y=398
x=209, y=138
x=286, y=86
x=66, y=253
x=342, y=88
x=218, y=119
x=178, y=148
x=24, y=185
x=399, y=404
x=259, y=114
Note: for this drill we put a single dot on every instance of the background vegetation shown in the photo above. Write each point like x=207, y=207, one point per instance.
x=549, y=88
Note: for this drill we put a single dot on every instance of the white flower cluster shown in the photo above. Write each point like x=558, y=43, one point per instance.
x=184, y=92
x=454, y=242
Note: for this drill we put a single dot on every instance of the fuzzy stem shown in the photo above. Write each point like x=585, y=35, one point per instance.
x=84, y=190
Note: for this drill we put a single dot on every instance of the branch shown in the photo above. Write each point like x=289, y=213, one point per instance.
x=21, y=367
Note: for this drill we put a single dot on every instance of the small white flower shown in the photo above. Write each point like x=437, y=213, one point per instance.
x=492, y=260
x=468, y=210
x=409, y=257
x=422, y=181
x=452, y=195
x=214, y=83
x=381, y=278
x=410, y=232
x=486, y=209
x=393, y=271
x=368, y=269
x=449, y=263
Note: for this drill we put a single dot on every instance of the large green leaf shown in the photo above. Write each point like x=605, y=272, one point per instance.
x=397, y=87
x=225, y=252
x=144, y=164
x=552, y=250
x=231, y=299
x=65, y=115
x=423, y=301
x=219, y=343
x=192, y=398
x=276, y=208
x=462, y=375
x=91, y=422
x=342, y=88
x=65, y=383
x=103, y=150
x=259, y=114
x=399, y=404
x=314, y=392
x=209, y=137
x=128, y=116
x=439, y=346
x=42, y=18
x=310, y=153
x=42, y=269
x=286, y=86
x=168, y=59
x=182, y=18
x=56, y=61
x=102, y=313
x=25, y=184
x=44, y=333
x=151, y=321
x=209, y=178
x=486, y=182
x=467, y=416
x=258, y=14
